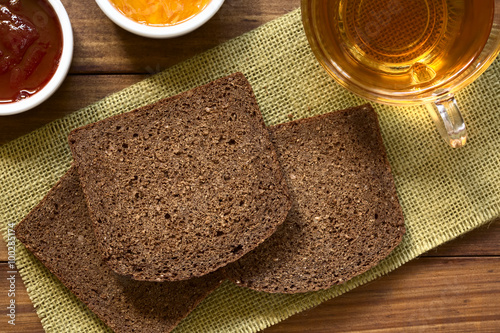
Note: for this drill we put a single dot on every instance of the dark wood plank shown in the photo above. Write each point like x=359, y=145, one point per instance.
x=425, y=295
x=103, y=47
x=26, y=319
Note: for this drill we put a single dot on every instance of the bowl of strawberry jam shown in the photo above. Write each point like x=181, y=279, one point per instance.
x=160, y=18
x=36, y=48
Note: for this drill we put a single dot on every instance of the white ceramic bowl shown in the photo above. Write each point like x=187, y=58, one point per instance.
x=59, y=75
x=160, y=32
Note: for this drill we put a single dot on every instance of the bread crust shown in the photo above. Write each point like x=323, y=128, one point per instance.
x=184, y=186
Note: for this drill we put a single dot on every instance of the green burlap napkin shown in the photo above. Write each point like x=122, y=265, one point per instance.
x=444, y=192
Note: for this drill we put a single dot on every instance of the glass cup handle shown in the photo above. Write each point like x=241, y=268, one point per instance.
x=449, y=121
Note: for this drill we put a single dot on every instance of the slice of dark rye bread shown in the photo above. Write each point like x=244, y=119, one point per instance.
x=184, y=186
x=58, y=232
x=345, y=214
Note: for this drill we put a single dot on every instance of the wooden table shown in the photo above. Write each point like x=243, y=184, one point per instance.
x=455, y=288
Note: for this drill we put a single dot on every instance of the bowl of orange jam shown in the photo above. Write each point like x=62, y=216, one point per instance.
x=36, y=49
x=160, y=18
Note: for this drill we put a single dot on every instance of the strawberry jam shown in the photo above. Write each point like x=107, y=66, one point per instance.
x=30, y=47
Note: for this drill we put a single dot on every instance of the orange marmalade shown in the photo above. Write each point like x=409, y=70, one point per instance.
x=160, y=12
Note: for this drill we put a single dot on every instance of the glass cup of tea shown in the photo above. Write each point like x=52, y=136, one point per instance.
x=406, y=52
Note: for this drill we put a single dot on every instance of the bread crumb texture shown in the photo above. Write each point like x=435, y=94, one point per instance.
x=184, y=186
x=345, y=214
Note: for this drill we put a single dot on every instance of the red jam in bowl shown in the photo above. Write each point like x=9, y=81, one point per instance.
x=30, y=47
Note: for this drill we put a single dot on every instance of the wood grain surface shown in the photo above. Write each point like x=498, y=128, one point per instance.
x=455, y=288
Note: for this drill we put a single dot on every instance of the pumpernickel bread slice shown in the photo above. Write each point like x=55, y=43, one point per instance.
x=58, y=232
x=345, y=214
x=184, y=186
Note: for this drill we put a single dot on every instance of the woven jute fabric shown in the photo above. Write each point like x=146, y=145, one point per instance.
x=444, y=192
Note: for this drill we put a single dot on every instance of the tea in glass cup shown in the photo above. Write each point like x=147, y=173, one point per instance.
x=406, y=52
